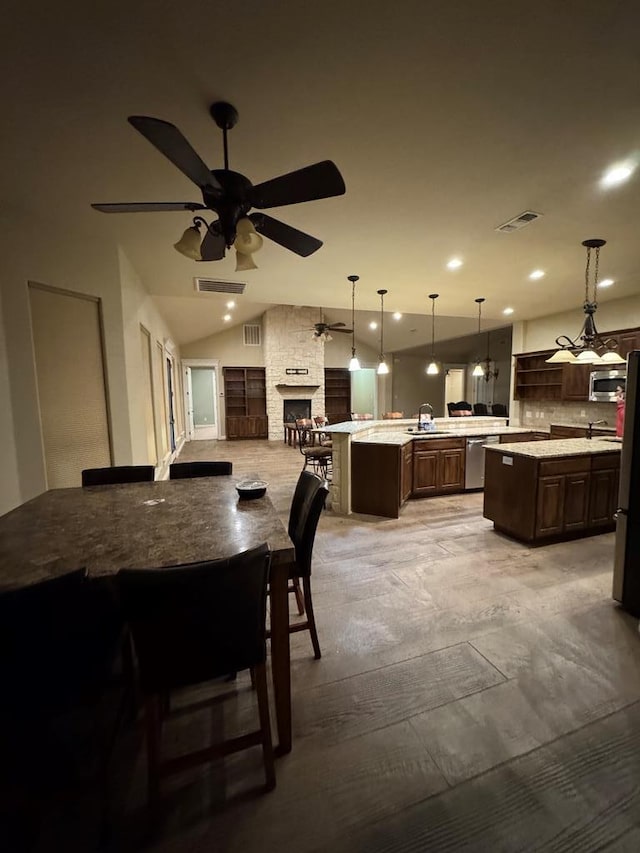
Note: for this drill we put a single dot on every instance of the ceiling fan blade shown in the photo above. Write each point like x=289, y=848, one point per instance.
x=170, y=142
x=346, y=331
x=147, y=206
x=336, y=326
x=213, y=246
x=321, y=180
x=283, y=234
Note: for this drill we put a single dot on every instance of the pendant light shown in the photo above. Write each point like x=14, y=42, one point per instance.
x=477, y=370
x=383, y=368
x=433, y=368
x=354, y=364
x=583, y=349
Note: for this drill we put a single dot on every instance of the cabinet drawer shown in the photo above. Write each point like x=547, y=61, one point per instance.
x=573, y=465
x=431, y=444
x=605, y=460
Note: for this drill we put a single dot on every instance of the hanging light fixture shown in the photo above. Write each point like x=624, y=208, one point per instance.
x=354, y=364
x=583, y=349
x=433, y=368
x=484, y=369
x=189, y=244
x=382, y=364
x=247, y=242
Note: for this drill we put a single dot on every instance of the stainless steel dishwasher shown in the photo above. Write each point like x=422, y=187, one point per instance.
x=474, y=462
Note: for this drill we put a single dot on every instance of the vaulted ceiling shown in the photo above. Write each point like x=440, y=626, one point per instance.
x=446, y=119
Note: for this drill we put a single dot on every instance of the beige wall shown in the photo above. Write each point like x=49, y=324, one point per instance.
x=9, y=490
x=227, y=347
x=412, y=386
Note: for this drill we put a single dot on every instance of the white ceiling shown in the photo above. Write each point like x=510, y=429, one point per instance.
x=445, y=118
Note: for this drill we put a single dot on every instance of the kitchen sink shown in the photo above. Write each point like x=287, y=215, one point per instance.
x=425, y=433
x=609, y=438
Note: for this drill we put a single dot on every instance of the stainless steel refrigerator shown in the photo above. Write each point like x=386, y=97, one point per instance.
x=626, y=569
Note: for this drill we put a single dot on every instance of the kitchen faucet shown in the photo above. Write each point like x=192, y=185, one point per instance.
x=420, y=408
x=591, y=426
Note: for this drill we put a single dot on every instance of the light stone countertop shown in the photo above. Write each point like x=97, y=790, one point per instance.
x=557, y=448
x=585, y=425
x=401, y=437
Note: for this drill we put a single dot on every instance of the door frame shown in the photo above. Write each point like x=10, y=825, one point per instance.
x=213, y=363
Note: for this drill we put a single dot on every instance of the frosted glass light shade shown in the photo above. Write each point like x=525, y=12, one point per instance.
x=354, y=364
x=433, y=369
x=189, y=244
x=383, y=368
x=247, y=239
x=244, y=262
x=561, y=356
x=478, y=371
x=612, y=358
x=588, y=356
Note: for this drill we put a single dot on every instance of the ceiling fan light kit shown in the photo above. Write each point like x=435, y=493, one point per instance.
x=588, y=347
x=231, y=195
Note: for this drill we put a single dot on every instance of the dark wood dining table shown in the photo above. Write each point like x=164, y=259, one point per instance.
x=147, y=525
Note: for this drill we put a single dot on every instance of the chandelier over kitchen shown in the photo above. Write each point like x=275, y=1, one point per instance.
x=588, y=347
x=433, y=368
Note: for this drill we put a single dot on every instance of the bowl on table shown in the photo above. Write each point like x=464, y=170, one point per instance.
x=249, y=489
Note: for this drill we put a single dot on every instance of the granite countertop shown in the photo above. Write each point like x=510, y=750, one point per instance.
x=480, y=425
x=401, y=437
x=557, y=448
x=585, y=425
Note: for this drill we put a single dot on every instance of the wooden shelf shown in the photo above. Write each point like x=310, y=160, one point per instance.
x=246, y=402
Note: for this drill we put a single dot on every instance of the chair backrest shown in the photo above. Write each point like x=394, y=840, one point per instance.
x=321, y=420
x=460, y=409
x=305, y=436
x=356, y=416
x=480, y=409
x=58, y=639
x=118, y=474
x=499, y=410
x=392, y=415
x=184, y=470
x=308, y=500
x=195, y=622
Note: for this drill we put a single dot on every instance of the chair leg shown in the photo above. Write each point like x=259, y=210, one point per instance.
x=308, y=603
x=260, y=675
x=152, y=717
x=298, y=594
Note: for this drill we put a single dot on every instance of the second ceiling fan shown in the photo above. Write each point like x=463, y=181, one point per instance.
x=231, y=195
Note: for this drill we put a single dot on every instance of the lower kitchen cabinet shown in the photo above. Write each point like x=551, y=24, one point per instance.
x=535, y=500
x=438, y=466
x=381, y=478
x=407, y=472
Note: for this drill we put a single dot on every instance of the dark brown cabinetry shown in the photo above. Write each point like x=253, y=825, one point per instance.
x=407, y=472
x=380, y=478
x=337, y=394
x=534, y=499
x=245, y=402
x=559, y=431
x=438, y=466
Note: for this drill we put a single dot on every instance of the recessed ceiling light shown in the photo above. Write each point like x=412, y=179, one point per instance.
x=373, y=325
x=226, y=318
x=397, y=316
x=454, y=263
x=536, y=274
x=606, y=282
x=617, y=174
x=507, y=311
x=231, y=304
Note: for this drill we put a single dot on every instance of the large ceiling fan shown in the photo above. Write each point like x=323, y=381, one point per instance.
x=323, y=330
x=231, y=195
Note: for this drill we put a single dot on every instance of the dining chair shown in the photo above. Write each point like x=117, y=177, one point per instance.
x=322, y=421
x=499, y=410
x=184, y=470
x=62, y=699
x=191, y=624
x=306, y=507
x=118, y=474
x=318, y=456
x=480, y=409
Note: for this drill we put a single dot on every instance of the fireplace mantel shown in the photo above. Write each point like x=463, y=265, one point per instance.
x=289, y=385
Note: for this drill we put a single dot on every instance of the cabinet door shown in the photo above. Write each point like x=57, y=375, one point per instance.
x=425, y=472
x=576, y=501
x=603, y=496
x=575, y=381
x=550, y=506
x=451, y=470
x=627, y=341
x=407, y=472
x=567, y=432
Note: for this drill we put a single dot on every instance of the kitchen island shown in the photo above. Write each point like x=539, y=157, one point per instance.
x=552, y=490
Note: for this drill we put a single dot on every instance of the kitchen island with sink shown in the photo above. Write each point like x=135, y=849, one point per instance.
x=552, y=490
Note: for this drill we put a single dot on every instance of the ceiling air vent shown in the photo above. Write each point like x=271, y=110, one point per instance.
x=519, y=221
x=213, y=285
x=251, y=335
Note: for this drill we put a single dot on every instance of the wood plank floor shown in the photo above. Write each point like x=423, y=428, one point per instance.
x=473, y=694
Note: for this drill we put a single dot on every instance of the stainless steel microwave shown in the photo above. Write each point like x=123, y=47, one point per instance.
x=604, y=384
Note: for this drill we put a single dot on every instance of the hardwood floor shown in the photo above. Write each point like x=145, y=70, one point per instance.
x=473, y=694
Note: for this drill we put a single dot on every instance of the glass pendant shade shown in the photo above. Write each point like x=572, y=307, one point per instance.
x=244, y=262
x=561, y=356
x=383, y=368
x=611, y=357
x=354, y=364
x=478, y=371
x=189, y=244
x=588, y=356
x=433, y=369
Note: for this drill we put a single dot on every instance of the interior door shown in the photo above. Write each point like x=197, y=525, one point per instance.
x=204, y=398
x=188, y=407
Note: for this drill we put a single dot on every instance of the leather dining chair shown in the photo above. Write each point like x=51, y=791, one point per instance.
x=306, y=507
x=499, y=410
x=184, y=470
x=480, y=409
x=192, y=624
x=118, y=474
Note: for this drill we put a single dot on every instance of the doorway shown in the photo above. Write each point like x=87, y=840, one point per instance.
x=454, y=385
x=201, y=401
x=364, y=391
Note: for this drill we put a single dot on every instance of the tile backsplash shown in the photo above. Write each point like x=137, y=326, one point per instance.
x=543, y=414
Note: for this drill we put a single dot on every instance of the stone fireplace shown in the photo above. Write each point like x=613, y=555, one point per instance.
x=292, y=410
x=289, y=345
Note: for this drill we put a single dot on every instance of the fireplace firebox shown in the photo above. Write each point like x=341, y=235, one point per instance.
x=293, y=410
